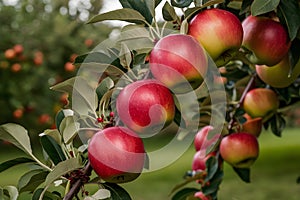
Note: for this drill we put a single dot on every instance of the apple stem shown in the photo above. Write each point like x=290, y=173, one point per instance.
x=76, y=186
x=249, y=85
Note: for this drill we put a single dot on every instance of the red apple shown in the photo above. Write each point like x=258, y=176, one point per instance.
x=279, y=75
x=201, y=141
x=219, y=31
x=18, y=48
x=116, y=154
x=200, y=195
x=261, y=102
x=146, y=106
x=179, y=62
x=10, y=54
x=69, y=67
x=18, y=113
x=239, y=149
x=267, y=40
x=16, y=67
x=200, y=159
x=252, y=125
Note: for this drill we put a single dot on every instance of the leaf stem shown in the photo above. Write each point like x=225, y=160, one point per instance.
x=40, y=163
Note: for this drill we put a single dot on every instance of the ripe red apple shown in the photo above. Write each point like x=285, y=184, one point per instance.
x=252, y=125
x=267, y=40
x=18, y=48
x=179, y=62
x=146, y=106
x=219, y=31
x=116, y=154
x=239, y=149
x=16, y=67
x=9, y=54
x=69, y=67
x=18, y=113
x=279, y=75
x=200, y=159
x=38, y=58
x=261, y=102
x=201, y=141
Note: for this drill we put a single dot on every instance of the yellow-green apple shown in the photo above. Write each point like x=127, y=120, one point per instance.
x=280, y=75
x=266, y=39
x=261, y=102
x=146, y=106
x=252, y=125
x=179, y=62
x=200, y=158
x=116, y=154
x=201, y=140
x=239, y=149
x=219, y=31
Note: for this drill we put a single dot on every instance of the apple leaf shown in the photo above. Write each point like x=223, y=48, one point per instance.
x=125, y=56
x=289, y=14
x=52, y=149
x=246, y=5
x=17, y=135
x=260, y=7
x=47, y=195
x=9, y=191
x=295, y=52
x=181, y=3
x=212, y=167
x=31, y=180
x=13, y=162
x=69, y=129
x=184, y=193
x=117, y=192
x=124, y=14
x=213, y=187
x=100, y=194
x=277, y=123
x=105, y=85
x=169, y=13
x=243, y=173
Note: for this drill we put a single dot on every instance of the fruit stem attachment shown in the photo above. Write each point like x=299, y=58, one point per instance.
x=76, y=186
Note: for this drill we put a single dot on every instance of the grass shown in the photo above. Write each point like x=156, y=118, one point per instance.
x=273, y=176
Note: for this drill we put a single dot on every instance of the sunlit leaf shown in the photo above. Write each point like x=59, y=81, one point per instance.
x=10, y=191
x=259, y=7
x=169, y=13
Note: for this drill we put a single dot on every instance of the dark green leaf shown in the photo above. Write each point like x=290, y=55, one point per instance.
x=169, y=13
x=53, y=149
x=11, y=163
x=212, y=167
x=298, y=180
x=142, y=7
x=289, y=14
x=31, y=180
x=124, y=14
x=47, y=196
x=181, y=3
x=215, y=182
x=61, y=115
x=184, y=193
x=295, y=52
x=260, y=7
x=117, y=192
x=277, y=123
x=157, y=2
x=244, y=173
x=246, y=4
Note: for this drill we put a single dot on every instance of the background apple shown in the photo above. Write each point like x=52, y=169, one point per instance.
x=267, y=40
x=146, y=106
x=219, y=31
x=117, y=154
x=279, y=75
x=252, y=125
x=261, y=102
x=239, y=149
x=179, y=62
x=202, y=141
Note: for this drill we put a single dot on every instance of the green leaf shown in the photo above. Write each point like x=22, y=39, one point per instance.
x=259, y=7
x=62, y=168
x=69, y=129
x=10, y=191
x=215, y=182
x=169, y=13
x=17, y=135
x=146, y=8
x=243, y=173
x=53, y=150
x=104, y=86
x=13, y=162
x=184, y=193
x=125, y=56
x=117, y=192
x=277, y=123
x=61, y=115
x=289, y=14
x=102, y=194
x=124, y=14
x=181, y=3
x=31, y=180
x=212, y=167
x=47, y=196
x=54, y=133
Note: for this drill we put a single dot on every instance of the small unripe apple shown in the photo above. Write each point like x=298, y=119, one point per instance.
x=239, y=149
x=252, y=125
x=261, y=102
x=266, y=39
x=179, y=62
x=116, y=154
x=279, y=75
x=200, y=159
x=219, y=31
x=201, y=140
x=146, y=106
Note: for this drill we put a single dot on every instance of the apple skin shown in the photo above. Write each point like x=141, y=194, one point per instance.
x=200, y=195
x=146, y=106
x=261, y=102
x=116, y=154
x=240, y=150
x=252, y=125
x=201, y=141
x=179, y=62
x=267, y=40
x=219, y=31
x=200, y=159
x=278, y=76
